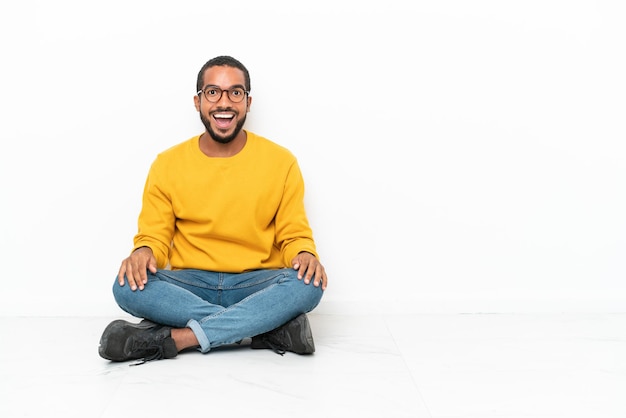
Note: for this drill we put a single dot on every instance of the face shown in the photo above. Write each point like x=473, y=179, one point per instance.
x=224, y=119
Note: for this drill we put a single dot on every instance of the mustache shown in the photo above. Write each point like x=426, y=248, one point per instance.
x=224, y=109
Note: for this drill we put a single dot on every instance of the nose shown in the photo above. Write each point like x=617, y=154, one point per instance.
x=223, y=100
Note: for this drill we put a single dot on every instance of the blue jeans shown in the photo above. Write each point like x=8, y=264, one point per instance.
x=220, y=308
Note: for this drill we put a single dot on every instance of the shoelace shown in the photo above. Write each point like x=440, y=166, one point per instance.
x=278, y=349
x=275, y=345
x=146, y=345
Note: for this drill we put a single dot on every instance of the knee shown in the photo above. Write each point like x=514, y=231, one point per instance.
x=122, y=294
x=308, y=295
x=118, y=291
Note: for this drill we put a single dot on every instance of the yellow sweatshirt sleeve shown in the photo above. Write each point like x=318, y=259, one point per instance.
x=156, y=220
x=293, y=233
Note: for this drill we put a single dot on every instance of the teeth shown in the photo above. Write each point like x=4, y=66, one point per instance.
x=223, y=116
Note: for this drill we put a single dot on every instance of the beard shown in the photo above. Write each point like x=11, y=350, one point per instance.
x=222, y=139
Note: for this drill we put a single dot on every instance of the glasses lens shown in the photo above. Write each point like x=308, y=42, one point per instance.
x=236, y=95
x=212, y=94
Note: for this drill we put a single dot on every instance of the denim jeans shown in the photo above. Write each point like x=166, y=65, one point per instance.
x=220, y=308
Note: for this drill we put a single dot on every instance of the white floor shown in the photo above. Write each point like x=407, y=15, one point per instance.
x=388, y=366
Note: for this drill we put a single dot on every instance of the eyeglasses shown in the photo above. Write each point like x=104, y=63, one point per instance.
x=213, y=94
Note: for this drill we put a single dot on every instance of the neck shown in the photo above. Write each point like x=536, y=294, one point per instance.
x=213, y=148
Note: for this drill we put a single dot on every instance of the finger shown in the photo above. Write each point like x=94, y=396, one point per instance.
x=130, y=278
x=317, y=277
x=320, y=275
x=141, y=277
x=152, y=266
x=317, y=281
x=310, y=271
x=302, y=273
x=300, y=266
x=120, y=275
x=324, y=280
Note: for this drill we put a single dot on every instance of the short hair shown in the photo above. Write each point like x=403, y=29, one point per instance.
x=223, y=60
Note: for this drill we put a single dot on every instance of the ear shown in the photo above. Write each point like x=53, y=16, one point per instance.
x=248, y=103
x=196, y=102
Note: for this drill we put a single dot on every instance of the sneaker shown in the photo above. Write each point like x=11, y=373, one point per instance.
x=294, y=336
x=123, y=341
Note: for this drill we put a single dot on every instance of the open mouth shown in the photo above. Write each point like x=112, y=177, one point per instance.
x=223, y=120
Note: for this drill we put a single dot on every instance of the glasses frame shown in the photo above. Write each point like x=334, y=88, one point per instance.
x=228, y=91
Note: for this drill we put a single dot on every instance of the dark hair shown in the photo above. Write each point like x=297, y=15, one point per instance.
x=223, y=60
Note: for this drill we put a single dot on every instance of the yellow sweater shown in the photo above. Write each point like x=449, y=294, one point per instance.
x=233, y=214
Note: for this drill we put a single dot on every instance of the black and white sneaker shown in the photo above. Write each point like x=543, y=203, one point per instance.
x=146, y=341
x=294, y=336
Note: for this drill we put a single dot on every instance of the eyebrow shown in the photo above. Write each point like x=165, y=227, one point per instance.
x=241, y=86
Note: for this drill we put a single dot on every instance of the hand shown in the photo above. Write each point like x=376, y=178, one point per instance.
x=309, y=267
x=134, y=268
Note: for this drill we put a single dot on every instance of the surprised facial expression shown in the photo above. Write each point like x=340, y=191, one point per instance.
x=223, y=119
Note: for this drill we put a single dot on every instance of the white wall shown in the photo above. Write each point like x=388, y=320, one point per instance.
x=459, y=156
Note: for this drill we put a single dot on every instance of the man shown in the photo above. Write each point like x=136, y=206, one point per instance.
x=224, y=250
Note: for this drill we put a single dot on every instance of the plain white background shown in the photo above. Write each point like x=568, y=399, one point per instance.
x=459, y=156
